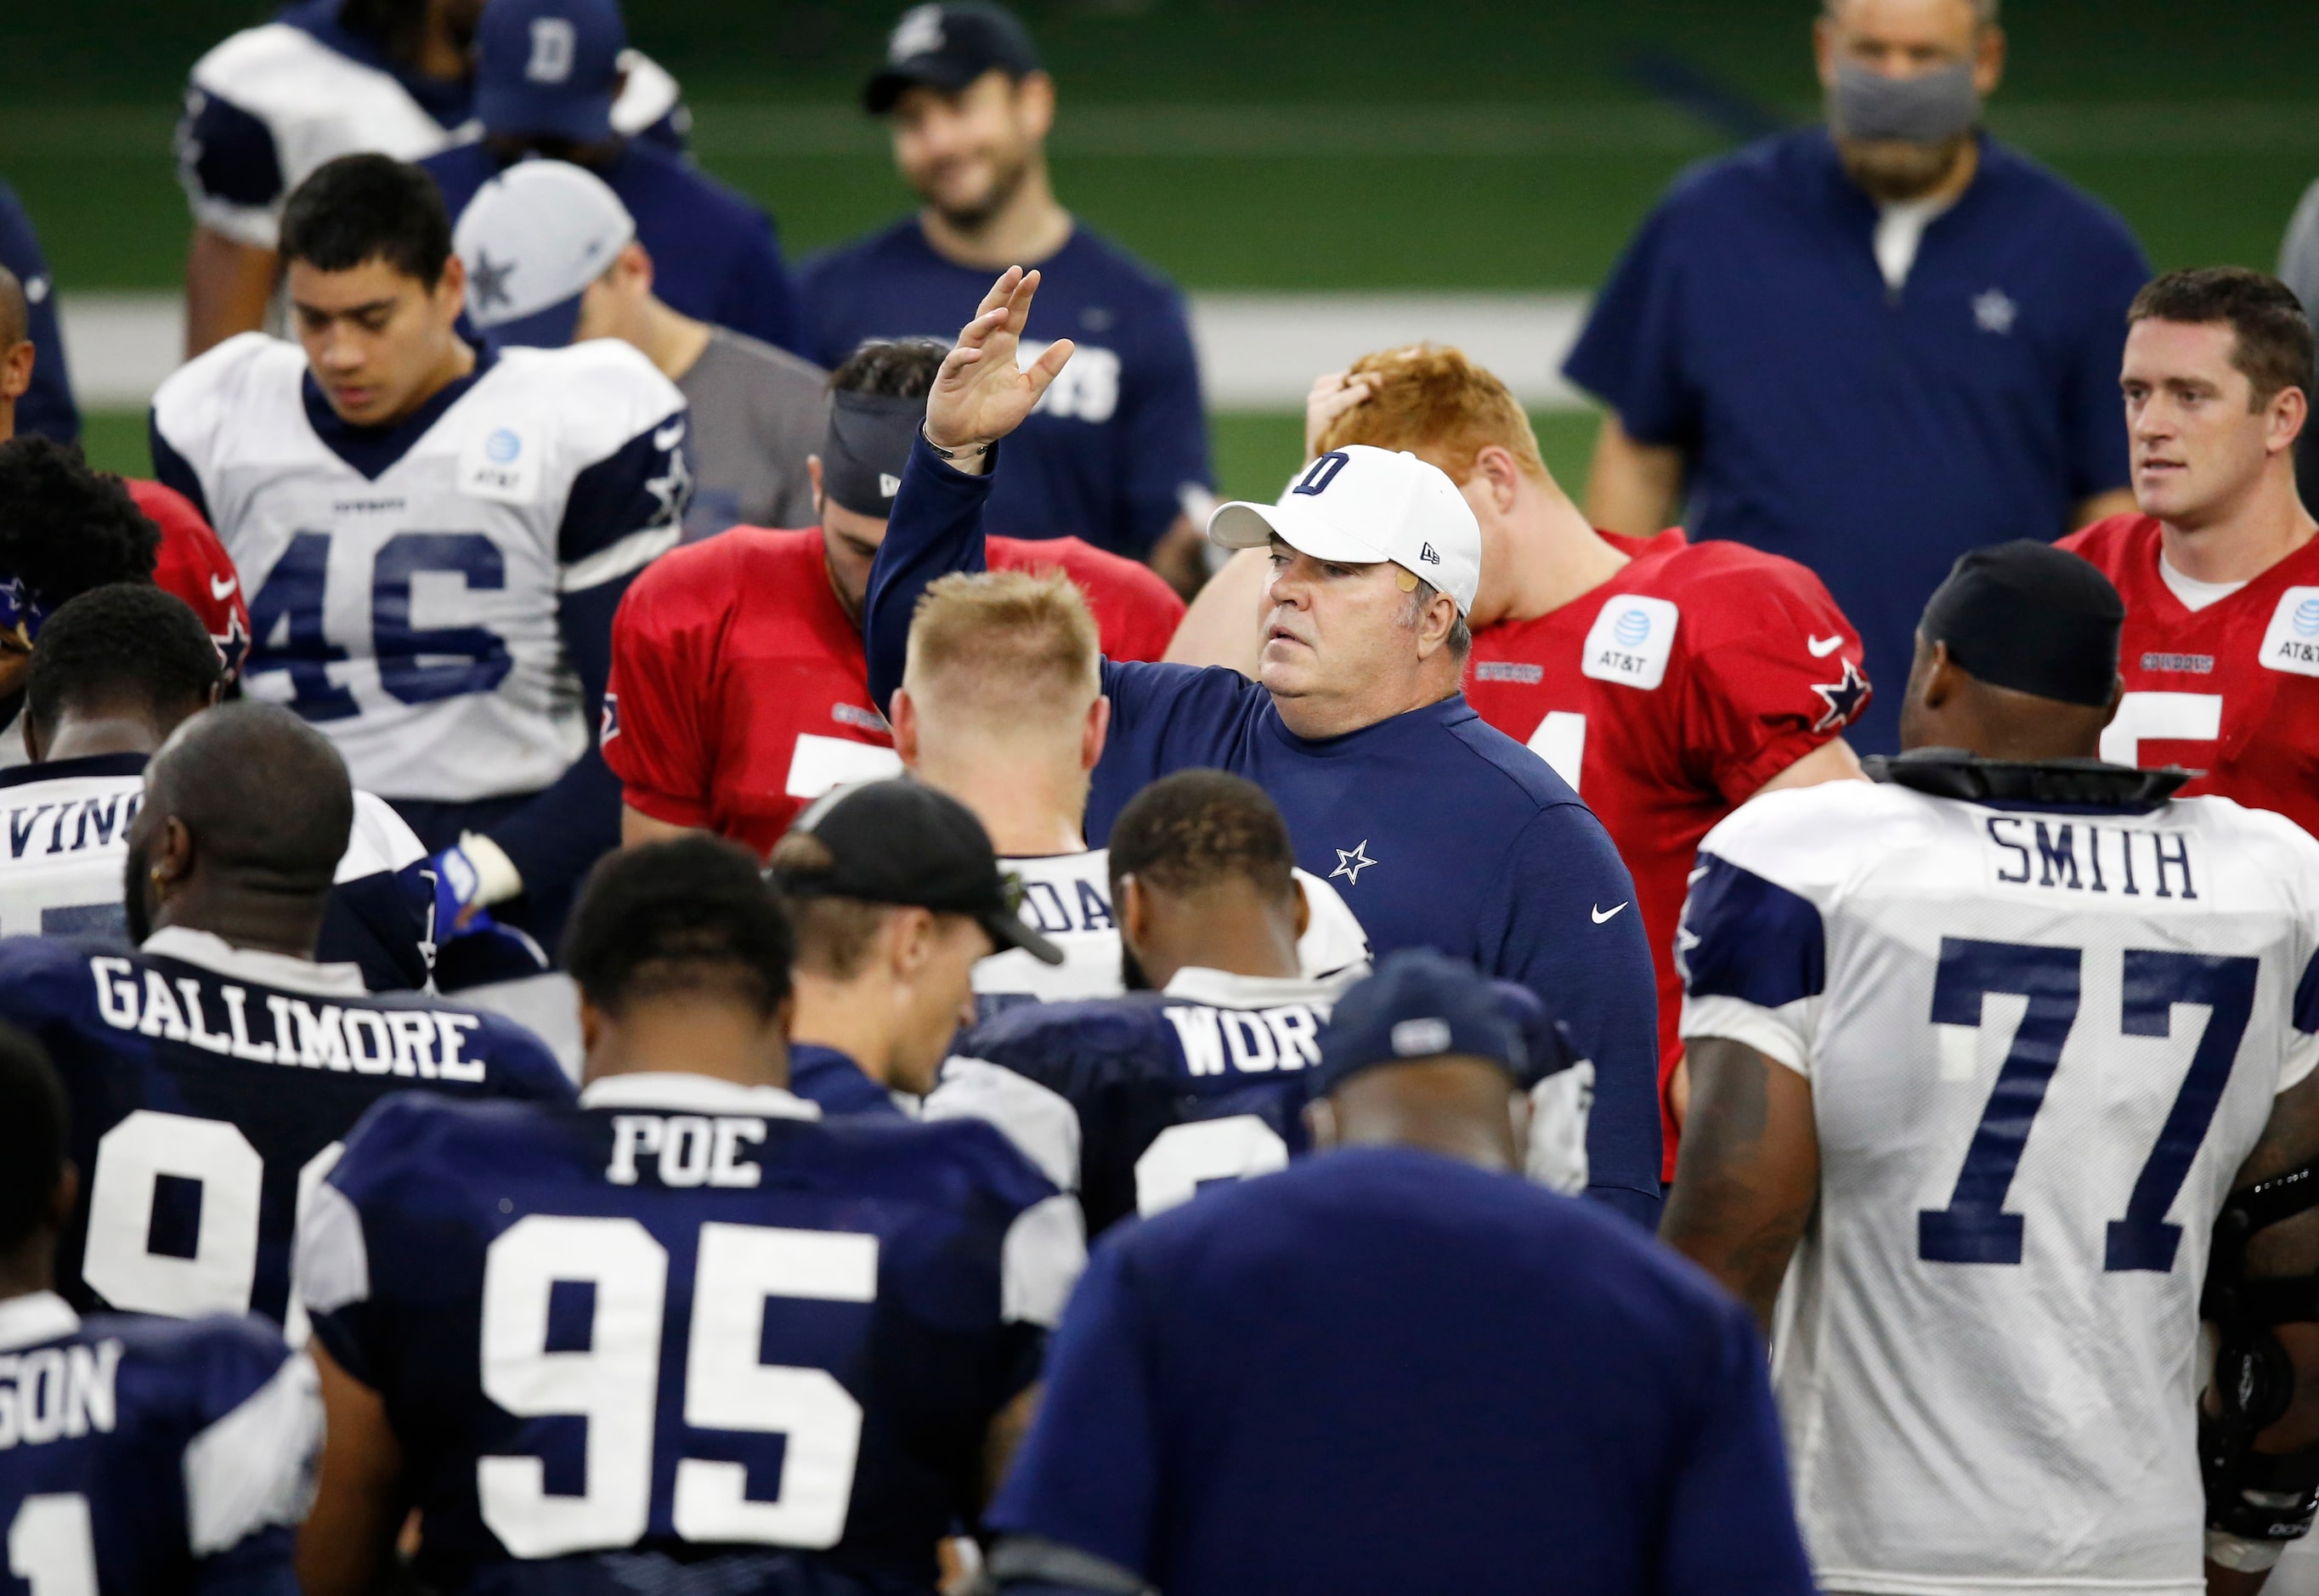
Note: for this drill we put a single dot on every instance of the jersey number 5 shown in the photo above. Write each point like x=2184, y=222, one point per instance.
x=288, y=631
x=1974, y=1228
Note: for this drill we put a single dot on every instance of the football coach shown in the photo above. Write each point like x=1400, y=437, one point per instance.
x=1440, y=831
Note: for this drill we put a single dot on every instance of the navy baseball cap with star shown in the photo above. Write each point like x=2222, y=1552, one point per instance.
x=946, y=47
x=549, y=68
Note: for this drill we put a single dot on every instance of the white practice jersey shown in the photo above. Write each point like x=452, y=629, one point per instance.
x=404, y=594
x=67, y=844
x=1067, y=897
x=2041, y=1046
x=273, y=102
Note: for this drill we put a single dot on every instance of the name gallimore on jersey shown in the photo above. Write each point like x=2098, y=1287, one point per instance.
x=218, y=1017
x=58, y=1392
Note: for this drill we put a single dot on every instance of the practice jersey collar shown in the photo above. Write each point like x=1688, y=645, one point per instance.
x=701, y=1094
x=373, y=450
x=74, y=770
x=452, y=102
x=33, y=1317
x=2087, y=786
x=1220, y=989
x=220, y=957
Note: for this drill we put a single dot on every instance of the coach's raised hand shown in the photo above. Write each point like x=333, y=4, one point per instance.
x=983, y=392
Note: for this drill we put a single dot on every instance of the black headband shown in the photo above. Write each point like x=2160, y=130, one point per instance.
x=868, y=442
x=2032, y=617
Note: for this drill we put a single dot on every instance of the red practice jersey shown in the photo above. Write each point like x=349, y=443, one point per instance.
x=1666, y=697
x=2232, y=690
x=194, y=566
x=739, y=692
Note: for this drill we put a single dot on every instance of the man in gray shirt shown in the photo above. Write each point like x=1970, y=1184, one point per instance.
x=552, y=258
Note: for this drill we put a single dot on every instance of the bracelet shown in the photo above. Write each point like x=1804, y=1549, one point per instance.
x=975, y=453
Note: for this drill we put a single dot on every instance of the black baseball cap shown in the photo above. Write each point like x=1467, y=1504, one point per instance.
x=900, y=841
x=2032, y=617
x=1419, y=1005
x=946, y=47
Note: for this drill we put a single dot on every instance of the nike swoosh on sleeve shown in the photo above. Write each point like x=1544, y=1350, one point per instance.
x=1601, y=913
x=1821, y=647
x=223, y=590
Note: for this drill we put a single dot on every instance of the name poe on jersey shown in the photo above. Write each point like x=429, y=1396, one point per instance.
x=217, y=1016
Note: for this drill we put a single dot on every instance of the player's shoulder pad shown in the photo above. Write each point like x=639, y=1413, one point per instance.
x=2288, y=851
x=1730, y=591
x=516, y=1062
x=247, y=374
x=1050, y=1041
x=600, y=394
x=1812, y=839
x=957, y=1161
x=698, y=583
x=404, y=1131
x=262, y=68
x=42, y=974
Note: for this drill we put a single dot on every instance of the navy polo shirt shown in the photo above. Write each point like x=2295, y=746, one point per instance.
x=715, y=254
x=1120, y=434
x=47, y=406
x=1872, y=435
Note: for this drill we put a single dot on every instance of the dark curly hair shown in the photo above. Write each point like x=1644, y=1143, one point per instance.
x=64, y=528
x=1195, y=828
x=691, y=915
x=895, y=368
x=127, y=646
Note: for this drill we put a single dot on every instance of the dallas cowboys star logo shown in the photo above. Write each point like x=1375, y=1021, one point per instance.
x=488, y=283
x=1994, y=312
x=1843, y=697
x=1352, y=861
x=674, y=490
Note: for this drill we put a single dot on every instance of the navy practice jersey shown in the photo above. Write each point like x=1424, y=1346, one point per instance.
x=140, y=1455
x=836, y=1084
x=209, y=1088
x=1118, y=441
x=1438, y=830
x=685, y=1321
x=1383, y=1370
x=46, y=407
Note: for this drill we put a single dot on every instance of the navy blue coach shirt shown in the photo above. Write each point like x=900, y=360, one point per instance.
x=1872, y=435
x=715, y=254
x=1439, y=830
x=1382, y=1370
x=47, y=407
x=1118, y=437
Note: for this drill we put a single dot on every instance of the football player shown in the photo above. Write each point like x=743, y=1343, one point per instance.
x=436, y=536
x=898, y=897
x=118, y=670
x=136, y=1454
x=1982, y=1053
x=1001, y=707
x=2219, y=572
x=272, y=103
x=214, y=1066
x=65, y=529
x=1666, y=682
x=740, y=691
x=801, y=1348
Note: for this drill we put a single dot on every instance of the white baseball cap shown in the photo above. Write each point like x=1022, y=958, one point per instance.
x=532, y=240
x=1362, y=506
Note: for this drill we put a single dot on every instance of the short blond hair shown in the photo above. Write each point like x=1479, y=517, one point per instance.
x=1431, y=401
x=1008, y=648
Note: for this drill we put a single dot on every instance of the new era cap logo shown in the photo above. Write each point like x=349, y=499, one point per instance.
x=887, y=486
x=1417, y=1039
x=1425, y=553
x=919, y=33
x=554, y=43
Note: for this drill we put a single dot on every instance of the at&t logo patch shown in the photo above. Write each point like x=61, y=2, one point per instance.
x=1631, y=641
x=2291, y=644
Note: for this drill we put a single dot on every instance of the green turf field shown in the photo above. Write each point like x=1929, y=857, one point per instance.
x=1279, y=144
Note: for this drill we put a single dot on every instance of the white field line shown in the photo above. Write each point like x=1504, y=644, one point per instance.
x=1258, y=351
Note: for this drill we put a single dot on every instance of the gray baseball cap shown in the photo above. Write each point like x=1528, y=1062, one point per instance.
x=532, y=240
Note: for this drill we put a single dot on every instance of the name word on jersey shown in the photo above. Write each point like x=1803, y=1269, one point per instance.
x=58, y=1392
x=1255, y=1041
x=422, y=1043
x=2072, y=856
x=90, y=822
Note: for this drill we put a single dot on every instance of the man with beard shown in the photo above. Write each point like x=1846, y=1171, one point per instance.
x=1872, y=345
x=1117, y=452
x=214, y=1066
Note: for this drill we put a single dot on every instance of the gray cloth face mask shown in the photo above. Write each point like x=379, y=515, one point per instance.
x=1931, y=108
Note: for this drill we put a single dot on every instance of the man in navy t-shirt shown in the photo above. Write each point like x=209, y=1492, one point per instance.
x=1437, y=830
x=32, y=375
x=1396, y=1365
x=1118, y=452
x=1869, y=346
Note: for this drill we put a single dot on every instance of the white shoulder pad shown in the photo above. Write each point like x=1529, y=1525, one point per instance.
x=381, y=840
x=251, y=379
x=1333, y=942
x=1042, y=1123
x=331, y=1260
x=600, y=394
x=1044, y=1256
x=257, y=1467
x=1810, y=840
x=317, y=104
